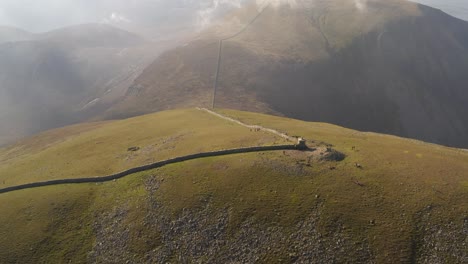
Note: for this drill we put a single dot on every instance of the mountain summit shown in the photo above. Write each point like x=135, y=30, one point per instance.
x=385, y=66
x=390, y=200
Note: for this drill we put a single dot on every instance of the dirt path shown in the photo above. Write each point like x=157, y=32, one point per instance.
x=269, y=130
x=265, y=5
x=171, y=161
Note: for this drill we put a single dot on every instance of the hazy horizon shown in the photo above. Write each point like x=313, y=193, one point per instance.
x=44, y=15
x=456, y=8
x=39, y=16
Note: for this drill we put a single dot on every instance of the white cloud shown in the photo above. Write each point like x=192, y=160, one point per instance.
x=214, y=7
x=361, y=5
x=207, y=14
x=3, y=18
x=116, y=18
x=43, y=15
x=277, y=3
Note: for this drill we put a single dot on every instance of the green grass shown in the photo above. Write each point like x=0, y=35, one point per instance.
x=101, y=149
x=401, y=178
x=46, y=223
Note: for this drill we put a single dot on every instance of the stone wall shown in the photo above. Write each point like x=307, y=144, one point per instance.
x=147, y=167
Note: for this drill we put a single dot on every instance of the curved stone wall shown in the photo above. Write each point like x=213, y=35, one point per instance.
x=147, y=167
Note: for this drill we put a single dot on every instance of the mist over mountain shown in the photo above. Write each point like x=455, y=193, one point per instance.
x=156, y=19
x=385, y=66
x=11, y=34
x=207, y=183
x=92, y=35
x=67, y=75
x=456, y=8
x=73, y=73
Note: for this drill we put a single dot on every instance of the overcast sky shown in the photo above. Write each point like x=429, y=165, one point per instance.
x=40, y=15
x=457, y=8
x=44, y=15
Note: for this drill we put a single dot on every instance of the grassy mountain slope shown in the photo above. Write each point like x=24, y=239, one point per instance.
x=65, y=152
x=407, y=203
x=392, y=66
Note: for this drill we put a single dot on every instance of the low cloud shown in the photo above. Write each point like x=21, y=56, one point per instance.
x=44, y=15
x=277, y=3
x=212, y=9
x=116, y=18
x=3, y=18
x=361, y=5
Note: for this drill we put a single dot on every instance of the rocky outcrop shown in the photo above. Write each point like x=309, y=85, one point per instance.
x=203, y=236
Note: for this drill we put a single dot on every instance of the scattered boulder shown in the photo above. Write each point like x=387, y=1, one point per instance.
x=332, y=155
x=133, y=149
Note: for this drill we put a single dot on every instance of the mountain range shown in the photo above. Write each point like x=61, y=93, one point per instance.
x=207, y=183
x=393, y=67
x=12, y=34
x=65, y=76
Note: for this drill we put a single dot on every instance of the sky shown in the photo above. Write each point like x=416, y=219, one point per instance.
x=457, y=8
x=44, y=15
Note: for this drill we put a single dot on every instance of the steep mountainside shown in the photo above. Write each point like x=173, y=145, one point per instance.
x=92, y=35
x=385, y=66
x=65, y=76
x=405, y=203
x=11, y=34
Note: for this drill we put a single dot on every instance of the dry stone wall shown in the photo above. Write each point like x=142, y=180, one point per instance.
x=147, y=167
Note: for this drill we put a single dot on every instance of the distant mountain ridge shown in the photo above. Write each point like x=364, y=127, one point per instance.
x=92, y=35
x=12, y=34
x=456, y=8
x=66, y=76
x=392, y=67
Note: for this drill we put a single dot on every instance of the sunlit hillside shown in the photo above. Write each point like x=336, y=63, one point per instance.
x=404, y=202
x=392, y=67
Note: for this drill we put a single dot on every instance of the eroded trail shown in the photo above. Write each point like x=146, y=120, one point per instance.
x=294, y=146
x=269, y=130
